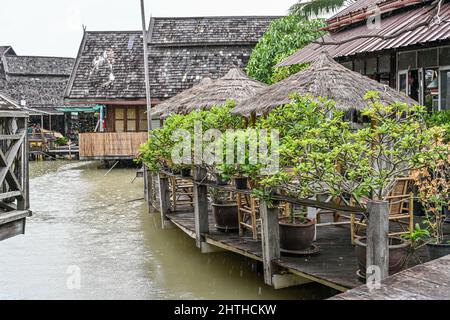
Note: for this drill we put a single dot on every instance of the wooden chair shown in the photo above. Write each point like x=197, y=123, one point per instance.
x=182, y=192
x=248, y=214
x=401, y=210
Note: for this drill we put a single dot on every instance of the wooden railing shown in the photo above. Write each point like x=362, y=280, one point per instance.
x=111, y=145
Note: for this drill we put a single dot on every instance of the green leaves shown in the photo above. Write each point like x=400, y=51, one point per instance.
x=284, y=37
x=326, y=154
x=311, y=8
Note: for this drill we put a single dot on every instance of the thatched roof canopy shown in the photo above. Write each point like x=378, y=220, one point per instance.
x=171, y=105
x=235, y=85
x=324, y=78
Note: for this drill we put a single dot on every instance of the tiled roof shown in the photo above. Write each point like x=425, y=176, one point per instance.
x=38, y=93
x=110, y=65
x=211, y=30
x=27, y=65
x=4, y=49
x=181, y=52
x=6, y=104
x=39, y=81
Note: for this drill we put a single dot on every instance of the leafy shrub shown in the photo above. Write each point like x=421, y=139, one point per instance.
x=284, y=37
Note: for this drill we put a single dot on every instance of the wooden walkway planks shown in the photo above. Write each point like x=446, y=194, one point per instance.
x=335, y=266
x=429, y=281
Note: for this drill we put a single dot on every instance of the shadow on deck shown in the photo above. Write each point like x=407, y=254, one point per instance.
x=335, y=266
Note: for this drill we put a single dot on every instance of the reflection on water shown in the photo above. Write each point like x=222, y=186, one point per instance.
x=101, y=225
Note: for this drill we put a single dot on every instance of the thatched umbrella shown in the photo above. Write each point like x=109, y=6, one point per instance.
x=171, y=105
x=235, y=85
x=324, y=78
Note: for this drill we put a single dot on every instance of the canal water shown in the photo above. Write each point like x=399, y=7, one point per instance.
x=91, y=237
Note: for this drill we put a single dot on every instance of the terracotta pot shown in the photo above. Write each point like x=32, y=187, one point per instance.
x=398, y=253
x=226, y=216
x=438, y=250
x=295, y=236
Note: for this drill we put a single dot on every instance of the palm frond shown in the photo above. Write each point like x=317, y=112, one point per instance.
x=312, y=8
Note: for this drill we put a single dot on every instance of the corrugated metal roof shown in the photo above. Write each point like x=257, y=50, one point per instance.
x=389, y=26
x=358, y=5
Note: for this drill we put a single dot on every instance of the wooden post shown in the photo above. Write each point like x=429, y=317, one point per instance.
x=164, y=198
x=148, y=189
x=377, y=253
x=24, y=202
x=200, y=206
x=270, y=234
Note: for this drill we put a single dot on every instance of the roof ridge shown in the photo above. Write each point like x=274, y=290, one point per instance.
x=30, y=56
x=221, y=17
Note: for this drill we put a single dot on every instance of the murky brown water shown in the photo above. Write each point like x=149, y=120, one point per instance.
x=84, y=219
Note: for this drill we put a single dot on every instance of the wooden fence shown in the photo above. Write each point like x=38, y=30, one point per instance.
x=111, y=145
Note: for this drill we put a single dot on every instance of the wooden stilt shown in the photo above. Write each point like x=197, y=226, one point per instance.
x=270, y=235
x=377, y=238
x=164, y=199
x=200, y=206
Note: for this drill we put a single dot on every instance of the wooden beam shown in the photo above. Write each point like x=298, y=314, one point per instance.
x=12, y=229
x=23, y=203
x=270, y=234
x=200, y=206
x=10, y=136
x=377, y=239
x=13, y=216
x=10, y=194
x=281, y=281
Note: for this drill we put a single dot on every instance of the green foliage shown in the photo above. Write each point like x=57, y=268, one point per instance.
x=441, y=118
x=157, y=152
x=311, y=8
x=284, y=37
x=417, y=235
x=62, y=141
x=321, y=150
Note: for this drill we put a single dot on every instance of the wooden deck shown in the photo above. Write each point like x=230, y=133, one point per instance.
x=335, y=266
x=429, y=281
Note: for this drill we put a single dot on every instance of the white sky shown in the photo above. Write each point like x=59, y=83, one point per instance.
x=54, y=27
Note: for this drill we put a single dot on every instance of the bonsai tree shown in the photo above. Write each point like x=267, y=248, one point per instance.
x=325, y=153
x=158, y=151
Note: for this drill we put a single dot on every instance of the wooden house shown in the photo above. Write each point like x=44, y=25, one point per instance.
x=14, y=194
x=109, y=71
x=402, y=43
x=37, y=83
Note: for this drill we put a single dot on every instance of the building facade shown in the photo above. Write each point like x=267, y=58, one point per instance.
x=402, y=43
x=109, y=71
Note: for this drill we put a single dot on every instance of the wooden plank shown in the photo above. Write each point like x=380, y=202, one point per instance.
x=12, y=229
x=10, y=136
x=7, y=217
x=282, y=198
x=270, y=235
x=377, y=250
x=422, y=282
x=11, y=194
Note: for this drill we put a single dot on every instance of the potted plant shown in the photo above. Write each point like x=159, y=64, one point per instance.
x=433, y=184
x=296, y=231
x=399, y=249
x=225, y=212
